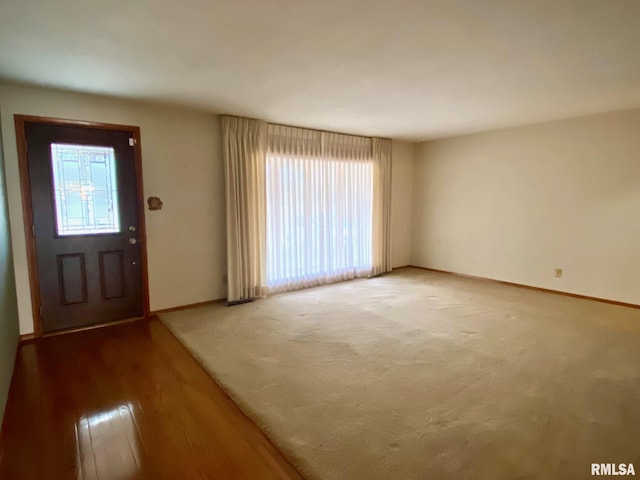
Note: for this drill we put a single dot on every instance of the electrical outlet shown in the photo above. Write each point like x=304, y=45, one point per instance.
x=557, y=272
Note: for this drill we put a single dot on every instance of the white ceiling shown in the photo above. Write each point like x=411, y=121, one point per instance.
x=408, y=69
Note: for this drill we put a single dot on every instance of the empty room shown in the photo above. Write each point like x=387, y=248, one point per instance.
x=319, y=240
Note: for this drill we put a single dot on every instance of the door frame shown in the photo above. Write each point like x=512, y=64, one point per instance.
x=27, y=211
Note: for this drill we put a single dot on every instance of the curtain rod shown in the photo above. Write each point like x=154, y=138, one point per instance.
x=304, y=128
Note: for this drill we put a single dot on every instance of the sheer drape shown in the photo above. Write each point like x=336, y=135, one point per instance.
x=244, y=154
x=304, y=207
x=381, y=205
x=319, y=207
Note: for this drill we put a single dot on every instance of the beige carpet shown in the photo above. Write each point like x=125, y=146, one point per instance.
x=420, y=375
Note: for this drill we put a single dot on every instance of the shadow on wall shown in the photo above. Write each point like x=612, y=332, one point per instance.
x=9, y=330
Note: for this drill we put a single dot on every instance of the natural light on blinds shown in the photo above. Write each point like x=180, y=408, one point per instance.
x=319, y=220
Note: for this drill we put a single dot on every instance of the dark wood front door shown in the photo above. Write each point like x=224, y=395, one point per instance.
x=84, y=201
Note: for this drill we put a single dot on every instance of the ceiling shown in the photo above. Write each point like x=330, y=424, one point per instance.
x=406, y=69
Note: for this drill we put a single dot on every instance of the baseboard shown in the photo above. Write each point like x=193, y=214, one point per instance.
x=529, y=287
x=240, y=302
x=30, y=337
x=26, y=338
x=190, y=305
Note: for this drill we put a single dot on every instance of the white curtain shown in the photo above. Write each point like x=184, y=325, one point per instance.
x=244, y=153
x=304, y=207
x=320, y=207
x=381, y=205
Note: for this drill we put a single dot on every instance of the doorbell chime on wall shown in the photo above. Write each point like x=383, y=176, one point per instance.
x=154, y=203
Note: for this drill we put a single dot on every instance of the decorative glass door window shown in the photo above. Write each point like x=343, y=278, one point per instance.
x=85, y=189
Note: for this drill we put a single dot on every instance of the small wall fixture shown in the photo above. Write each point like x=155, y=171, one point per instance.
x=154, y=203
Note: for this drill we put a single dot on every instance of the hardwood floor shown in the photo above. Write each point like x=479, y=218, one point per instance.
x=126, y=402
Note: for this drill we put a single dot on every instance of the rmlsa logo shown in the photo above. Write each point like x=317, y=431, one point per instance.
x=613, y=469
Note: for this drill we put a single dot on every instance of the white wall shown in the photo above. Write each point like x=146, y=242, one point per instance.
x=514, y=204
x=402, y=154
x=182, y=165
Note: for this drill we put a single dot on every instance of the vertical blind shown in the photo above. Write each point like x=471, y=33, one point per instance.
x=319, y=207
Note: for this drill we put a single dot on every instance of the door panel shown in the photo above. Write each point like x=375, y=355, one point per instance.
x=85, y=217
x=112, y=277
x=72, y=278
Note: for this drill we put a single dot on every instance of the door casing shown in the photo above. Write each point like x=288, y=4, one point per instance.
x=25, y=187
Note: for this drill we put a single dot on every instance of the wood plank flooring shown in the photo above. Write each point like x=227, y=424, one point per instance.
x=126, y=402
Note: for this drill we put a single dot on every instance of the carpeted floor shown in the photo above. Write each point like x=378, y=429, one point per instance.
x=421, y=375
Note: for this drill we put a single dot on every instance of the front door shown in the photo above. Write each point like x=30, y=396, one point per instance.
x=85, y=224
